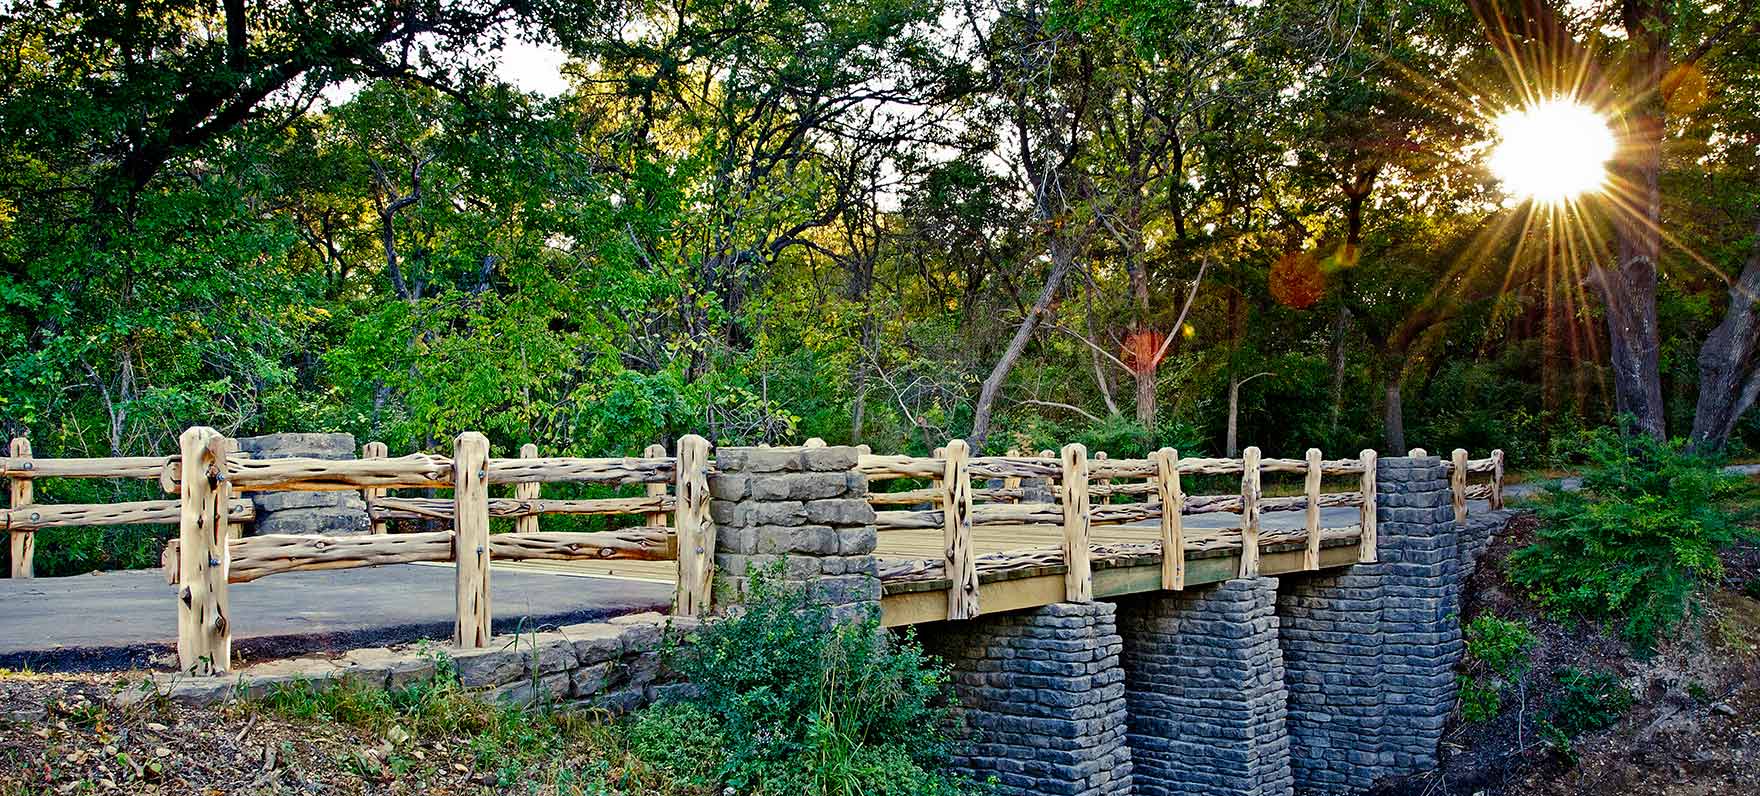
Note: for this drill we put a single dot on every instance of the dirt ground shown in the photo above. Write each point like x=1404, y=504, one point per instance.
x=1693, y=728
x=58, y=734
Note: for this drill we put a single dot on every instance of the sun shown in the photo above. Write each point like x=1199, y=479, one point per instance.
x=1552, y=151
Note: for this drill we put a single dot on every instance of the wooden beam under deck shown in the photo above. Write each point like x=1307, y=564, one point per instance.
x=921, y=601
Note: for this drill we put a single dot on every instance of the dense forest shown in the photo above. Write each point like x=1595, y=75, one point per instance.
x=1133, y=223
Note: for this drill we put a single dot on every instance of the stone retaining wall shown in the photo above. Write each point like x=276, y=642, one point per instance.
x=614, y=665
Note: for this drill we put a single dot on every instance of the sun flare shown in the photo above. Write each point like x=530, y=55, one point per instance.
x=1552, y=151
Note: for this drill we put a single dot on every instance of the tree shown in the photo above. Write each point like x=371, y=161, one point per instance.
x=1661, y=41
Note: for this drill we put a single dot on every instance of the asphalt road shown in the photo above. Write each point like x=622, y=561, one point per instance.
x=116, y=620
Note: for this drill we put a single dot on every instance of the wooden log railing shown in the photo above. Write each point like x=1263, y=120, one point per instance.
x=202, y=569
x=208, y=475
x=23, y=516
x=953, y=504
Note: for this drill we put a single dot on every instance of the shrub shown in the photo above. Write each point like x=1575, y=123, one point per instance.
x=1587, y=700
x=1501, y=645
x=1480, y=700
x=1635, y=544
x=809, y=705
x=1497, y=652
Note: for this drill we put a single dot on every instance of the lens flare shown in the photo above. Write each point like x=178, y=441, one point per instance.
x=1552, y=151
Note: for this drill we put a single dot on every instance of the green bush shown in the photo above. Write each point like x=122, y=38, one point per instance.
x=1480, y=700
x=1497, y=653
x=1501, y=645
x=1587, y=700
x=1640, y=538
x=808, y=705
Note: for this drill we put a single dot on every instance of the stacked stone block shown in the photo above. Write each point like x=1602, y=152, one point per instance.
x=1330, y=630
x=803, y=511
x=1420, y=609
x=1204, y=686
x=1371, y=651
x=329, y=513
x=1042, y=699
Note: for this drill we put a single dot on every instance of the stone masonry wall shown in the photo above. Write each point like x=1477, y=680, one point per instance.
x=1042, y=699
x=1330, y=630
x=1204, y=690
x=330, y=513
x=1420, y=610
x=1371, y=650
x=613, y=665
x=804, y=510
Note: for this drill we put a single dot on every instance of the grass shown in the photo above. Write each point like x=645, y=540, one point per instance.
x=537, y=749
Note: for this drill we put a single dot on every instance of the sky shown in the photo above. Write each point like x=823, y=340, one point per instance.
x=532, y=67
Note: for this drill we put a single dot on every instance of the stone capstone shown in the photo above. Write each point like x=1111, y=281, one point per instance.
x=331, y=513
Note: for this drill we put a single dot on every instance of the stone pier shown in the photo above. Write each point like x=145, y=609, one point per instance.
x=1204, y=686
x=1371, y=650
x=1042, y=698
x=802, y=511
x=330, y=513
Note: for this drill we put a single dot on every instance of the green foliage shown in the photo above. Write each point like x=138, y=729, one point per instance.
x=1480, y=701
x=812, y=706
x=1500, y=645
x=1638, y=541
x=1497, y=655
x=681, y=738
x=1586, y=700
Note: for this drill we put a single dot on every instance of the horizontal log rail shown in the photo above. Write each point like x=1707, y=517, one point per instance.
x=881, y=468
x=401, y=508
x=417, y=470
x=255, y=557
x=140, y=468
x=140, y=512
x=994, y=515
x=558, y=470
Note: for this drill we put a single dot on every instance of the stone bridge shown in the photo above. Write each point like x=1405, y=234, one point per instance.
x=1323, y=681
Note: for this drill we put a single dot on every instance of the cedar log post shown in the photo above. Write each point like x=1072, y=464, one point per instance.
x=1078, y=578
x=470, y=545
x=204, y=638
x=696, y=530
x=961, y=565
x=24, y=542
x=531, y=490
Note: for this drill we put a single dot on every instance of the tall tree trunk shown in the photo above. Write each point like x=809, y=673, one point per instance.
x=1063, y=257
x=1146, y=407
x=1395, y=416
x=1231, y=442
x=1338, y=329
x=1728, y=378
x=1628, y=289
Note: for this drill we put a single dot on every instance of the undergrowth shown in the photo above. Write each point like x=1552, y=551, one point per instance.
x=1638, y=541
x=812, y=705
x=1586, y=700
x=788, y=702
x=1497, y=655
